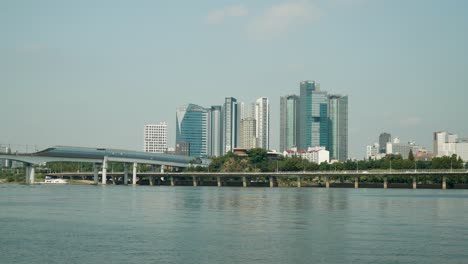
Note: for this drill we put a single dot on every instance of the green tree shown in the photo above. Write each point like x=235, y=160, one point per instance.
x=411, y=155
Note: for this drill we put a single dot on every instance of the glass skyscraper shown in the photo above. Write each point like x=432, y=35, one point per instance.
x=338, y=112
x=192, y=128
x=231, y=124
x=215, y=145
x=313, y=118
x=288, y=121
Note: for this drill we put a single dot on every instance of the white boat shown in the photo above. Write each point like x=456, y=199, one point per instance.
x=49, y=179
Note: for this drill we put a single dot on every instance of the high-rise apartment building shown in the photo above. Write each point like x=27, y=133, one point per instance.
x=384, y=138
x=192, y=127
x=262, y=117
x=288, y=122
x=216, y=132
x=338, y=130
x=248, y=127
x=230, y=124
x=155, y=138
x=447, y=144
x=313, y=122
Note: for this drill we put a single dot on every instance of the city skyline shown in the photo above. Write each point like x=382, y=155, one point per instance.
x=67, y=69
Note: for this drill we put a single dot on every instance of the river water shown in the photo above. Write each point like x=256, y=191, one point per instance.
x=122, y=224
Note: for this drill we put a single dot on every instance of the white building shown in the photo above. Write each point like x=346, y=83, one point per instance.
x=155, y=138
x=247, y=133
x=312, y=154
x=262, y=116
x=372, y=151
x=447, y=144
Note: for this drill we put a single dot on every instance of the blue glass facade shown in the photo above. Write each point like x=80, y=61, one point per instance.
x=192, y=128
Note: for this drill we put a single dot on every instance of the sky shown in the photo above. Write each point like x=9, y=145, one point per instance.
x=92, y=73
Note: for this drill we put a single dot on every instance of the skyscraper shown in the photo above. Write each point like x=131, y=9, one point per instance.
x=313, y=122
x=247, y=133
x=192, y=128
x=288, y=121
x=230, y=124
x=155, y=138
x=216, y=132
x=338, y=112
x=262, y=116
x=384, y=138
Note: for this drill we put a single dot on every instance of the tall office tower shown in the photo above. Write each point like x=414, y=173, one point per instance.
x=248, y=128
x=384, y=138
x=230, y=124
x=288, y=122
x=313, y=121
x=155, y=138
x=192, y=128
x=262, y=116
x=338, y=112
x=216, y=132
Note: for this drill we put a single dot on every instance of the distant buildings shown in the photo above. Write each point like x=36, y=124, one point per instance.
x=447, y=144
x=384, y=138
x=320, y=120
x=155, y=138
x=315, y=154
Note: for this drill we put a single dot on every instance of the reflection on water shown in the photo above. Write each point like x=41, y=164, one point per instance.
x=120, y=224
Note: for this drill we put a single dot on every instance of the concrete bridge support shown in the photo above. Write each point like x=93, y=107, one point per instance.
x=172, y=181
x=194, y=179
x=272, y=183
x=444, y=182
x=30, y=176
x=327, y=182
x=151, y=180
x=299, y=182
x=114, y=180
x=356, y=182
x=385, y=182
x=134, y=179
x=244, y=181
x=104, y=171
x=414, y=182
x=218, y=179
x=96, y=173
x=125, y=179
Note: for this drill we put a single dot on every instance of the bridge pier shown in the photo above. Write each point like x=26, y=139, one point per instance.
x=151, y=180
x=104, y=171
x=299, y=182
x=327, y=182
x=356, y=182
x=444, y=182
x=244, y=181
x=385, y=182
x=162, y=168
x=125, y=179
x=134, y=173
x=113, y=180
x=96, y=173
x=414, y=182
x=194, y=179
x=272, y=183
x=172, y=181
x=30, y=174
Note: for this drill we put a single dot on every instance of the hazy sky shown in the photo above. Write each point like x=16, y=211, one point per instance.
x=92, y=73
